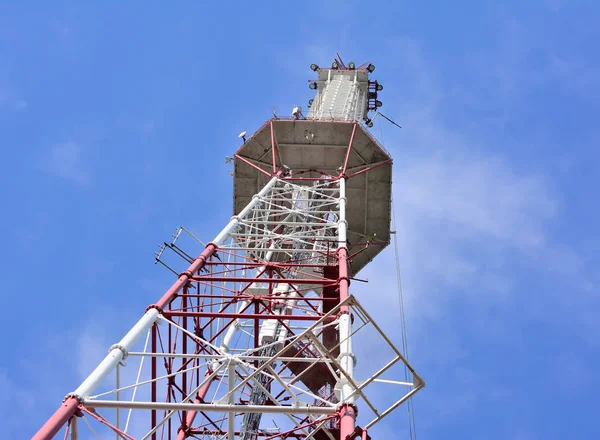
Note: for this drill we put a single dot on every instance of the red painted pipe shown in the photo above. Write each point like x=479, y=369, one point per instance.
x=69, y=406
x=58, y=419
x=343, y=280
x=191, y=415
x=347, y=421
x=260, y=316
x=262, y=280
x=185, y=276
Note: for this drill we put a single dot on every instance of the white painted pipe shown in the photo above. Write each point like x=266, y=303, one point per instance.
x=224, y=234
x=116, y=355
x=231, y=386
x=342, y=223
x=222, y=237
x=74, y=430
x=119, y=351
x=241, y=358
x=234, y=327
x=214, y=407
x=346, y=358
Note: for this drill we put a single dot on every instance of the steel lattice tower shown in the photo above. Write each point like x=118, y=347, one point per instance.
x=255, y=338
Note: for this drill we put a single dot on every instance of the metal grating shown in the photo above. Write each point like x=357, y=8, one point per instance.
x=341, y=96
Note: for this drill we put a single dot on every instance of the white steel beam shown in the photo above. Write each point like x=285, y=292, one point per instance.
x=224, y=234
x=117, y=353
x=73, y=428
x=231, y=415
x=346, y=357
x=213, y=407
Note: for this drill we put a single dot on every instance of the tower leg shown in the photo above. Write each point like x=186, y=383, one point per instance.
x=191, y=415
x=58, y=419
x=347, y=421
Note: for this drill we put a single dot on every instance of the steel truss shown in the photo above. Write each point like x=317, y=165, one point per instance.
x=253, y=340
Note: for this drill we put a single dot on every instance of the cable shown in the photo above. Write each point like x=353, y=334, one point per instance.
x=410, y=407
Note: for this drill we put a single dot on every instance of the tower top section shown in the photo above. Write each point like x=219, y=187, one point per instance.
x=328, y=144
x=344, y=92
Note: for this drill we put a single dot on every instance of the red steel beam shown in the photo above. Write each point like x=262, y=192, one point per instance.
x=251, y=164
x=184, y=383
x=186, y=276
x=343, y=278
x=170, y=314
x=70, y=405
x=258, y=434
x=262, y=280
x=260, y=264
x=308, y=179
x=249, y=296
x=58, y=419
x=385, y=162
x=106, y=422
x=347, y=414
x=185, y=430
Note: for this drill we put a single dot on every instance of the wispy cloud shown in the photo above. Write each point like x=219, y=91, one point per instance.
x=460, y=220
x=65, y=160
x=468, y=219
x=477, y=196
x=463, y=209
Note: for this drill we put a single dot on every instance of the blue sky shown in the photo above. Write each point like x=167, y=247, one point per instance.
x=116, y=120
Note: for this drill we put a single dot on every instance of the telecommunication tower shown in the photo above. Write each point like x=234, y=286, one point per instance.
x=260, y=336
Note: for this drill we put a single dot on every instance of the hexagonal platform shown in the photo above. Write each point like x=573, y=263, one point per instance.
x=310, y=148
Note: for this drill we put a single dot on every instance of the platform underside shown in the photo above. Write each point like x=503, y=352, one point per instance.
x=318, y=149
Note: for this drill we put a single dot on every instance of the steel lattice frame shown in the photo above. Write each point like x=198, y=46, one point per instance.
x=257, y=331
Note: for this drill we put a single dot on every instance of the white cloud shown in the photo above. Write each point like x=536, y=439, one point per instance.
x=65, y=160
x=461, y=218
x=462, y=215
x=464, y=211
x=477, y=196
x=467, y=219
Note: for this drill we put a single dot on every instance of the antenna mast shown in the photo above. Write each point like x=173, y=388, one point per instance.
x=257, y=337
